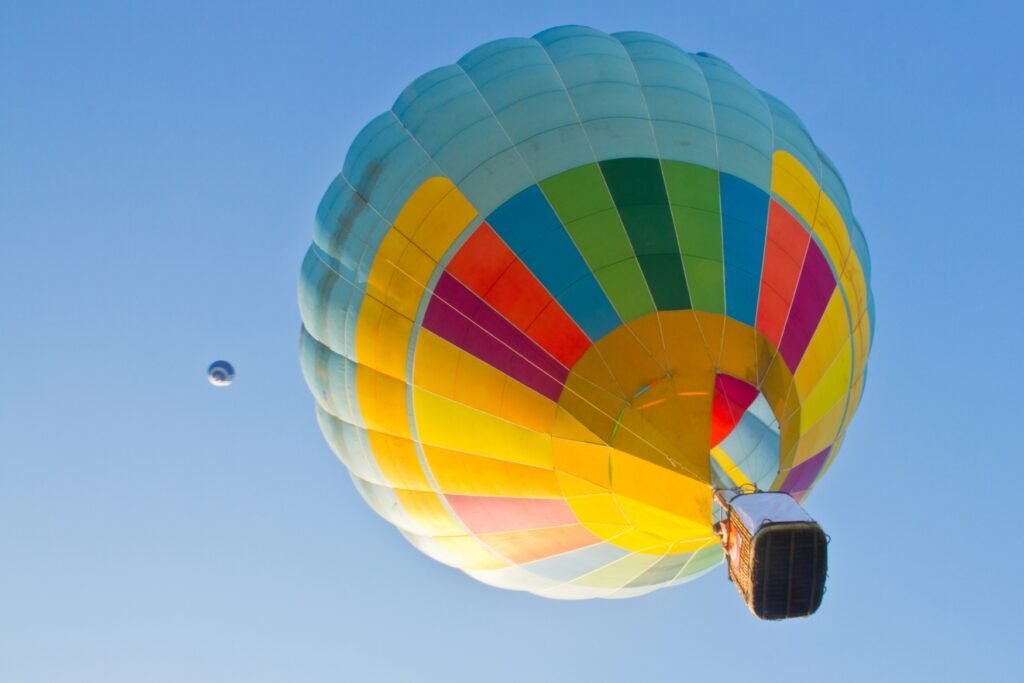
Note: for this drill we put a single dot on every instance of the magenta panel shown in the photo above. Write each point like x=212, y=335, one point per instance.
x=812, y=294
x=803, y=475
x=462, y=318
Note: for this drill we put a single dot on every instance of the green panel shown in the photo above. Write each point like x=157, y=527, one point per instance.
x=692, y=185
x=601, y=238
x=638, y=189
x=577, y=193
x=583, y=204
x=626, y=288
x=694, y=196
x=705, y=279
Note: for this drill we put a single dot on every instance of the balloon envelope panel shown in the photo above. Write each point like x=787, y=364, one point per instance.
x=566, y=287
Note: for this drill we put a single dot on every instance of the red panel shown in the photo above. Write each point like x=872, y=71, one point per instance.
x=783, y=255
x=481, y=260
x=732, y=398
x=555, y=331
x=493, y=514
x=518, y=295
x=488, y=268
x=526, y=546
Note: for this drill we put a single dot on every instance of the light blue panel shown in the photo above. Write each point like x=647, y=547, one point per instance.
x=521, y=85
x=328, y=303
x=719, y=479
x=455, y=125
x=494, y=181
x=380, y=162
x=701, y=562
x=754, y=447
x=677, y=98
x=744, y=224
x=604, y=89
x=331, y=379
x=384, y=502
x=763, y=412
x=575, y=564
x=352, y=446
x=742, y=123
x=662, y=571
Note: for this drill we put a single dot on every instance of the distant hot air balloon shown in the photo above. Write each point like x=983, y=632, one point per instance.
x=220, y=373
x=567, y=289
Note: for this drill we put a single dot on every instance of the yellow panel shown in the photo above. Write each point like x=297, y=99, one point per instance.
x=789, y=438
x=382, y=339
x=568, y=427
x=468, y=474
x=429, y=512
x=448, y=424
x=641, y=438
x=690, y=353
x=647, y=329
x=468, y=553
x=382, y=402
x=574, y=487
x=383, y=269
x=398, y=461
x=739, y=356
x=648, y=483
x=820, y=434
x=795, y=185
x=832, y=334
x=445, y=221
x=599, y=509
x=712, y=328
x=776, y=386
x=436, y=363
x=409, y=280
x=832, y=388
x=732, y=470
x=478, y=385
x=630, y=362
x=655, y=520
x=591, y=395
x=583, y=460
x=638, y=541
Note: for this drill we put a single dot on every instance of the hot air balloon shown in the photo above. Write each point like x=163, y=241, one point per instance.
x=220, y=373
x=568, y=289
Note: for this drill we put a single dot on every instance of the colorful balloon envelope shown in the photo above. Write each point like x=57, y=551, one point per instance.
x=567, y=287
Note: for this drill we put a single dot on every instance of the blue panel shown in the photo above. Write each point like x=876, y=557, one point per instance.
x=524, y=220
x=744, y=221
x=555, y=261
x=586, y=302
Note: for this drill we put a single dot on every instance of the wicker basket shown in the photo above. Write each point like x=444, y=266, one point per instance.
x=779, y=568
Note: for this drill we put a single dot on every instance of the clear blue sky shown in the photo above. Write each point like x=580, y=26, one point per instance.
x=160, y=164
